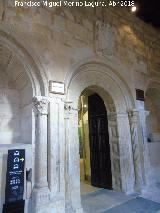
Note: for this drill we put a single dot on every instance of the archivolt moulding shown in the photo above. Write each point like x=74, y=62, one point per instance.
x=93, y=74
x=33, y=69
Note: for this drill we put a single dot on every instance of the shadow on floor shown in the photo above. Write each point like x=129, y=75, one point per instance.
x=137, y=205
x=107, y=201
x=102, y=200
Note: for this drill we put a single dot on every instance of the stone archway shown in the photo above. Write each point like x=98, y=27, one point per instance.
x=23, y=75
x=33, y=69
x=111, y=87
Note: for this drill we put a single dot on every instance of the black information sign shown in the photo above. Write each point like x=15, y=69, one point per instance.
x=15, y=180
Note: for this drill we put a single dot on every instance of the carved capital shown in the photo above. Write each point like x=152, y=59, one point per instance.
x=133, y=116
x=70, y=108
x=112, y=117
x=40, y=103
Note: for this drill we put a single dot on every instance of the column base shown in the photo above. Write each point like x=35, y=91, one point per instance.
x=80, y=210
x=70, y=209
x=139, y=188
x=40, y=200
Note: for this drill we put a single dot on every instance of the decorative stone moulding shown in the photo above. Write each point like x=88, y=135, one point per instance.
x=41, y=104
x=68, y=106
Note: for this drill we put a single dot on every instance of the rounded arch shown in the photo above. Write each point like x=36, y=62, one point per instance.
x=105, y=96
x=96, y=74
x=16, y=100
x=115, y=91
x=152, y=83
x=33, y=69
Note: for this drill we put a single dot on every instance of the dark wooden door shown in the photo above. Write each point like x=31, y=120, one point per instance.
x=99, y=143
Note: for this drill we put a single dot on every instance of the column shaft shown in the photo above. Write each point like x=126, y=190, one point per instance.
x=133, y=120
x=41, y=193
x=41, y=152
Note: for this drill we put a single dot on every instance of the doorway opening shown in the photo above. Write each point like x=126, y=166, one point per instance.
x=94, y=147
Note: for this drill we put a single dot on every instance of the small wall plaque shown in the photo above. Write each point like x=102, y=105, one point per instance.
x=57, y=87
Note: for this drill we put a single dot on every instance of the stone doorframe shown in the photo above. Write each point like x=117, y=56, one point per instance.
x=118, y=101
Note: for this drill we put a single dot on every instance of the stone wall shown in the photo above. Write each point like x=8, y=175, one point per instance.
x=154, y=149
x=64, y=37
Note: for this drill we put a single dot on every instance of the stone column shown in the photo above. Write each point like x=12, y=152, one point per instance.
x=73, y=198
x=133, y=120
x=144, y=146
x=40, y=191
x=115, y=152
x=143, y=139
x=121, y=152
x=56, y=152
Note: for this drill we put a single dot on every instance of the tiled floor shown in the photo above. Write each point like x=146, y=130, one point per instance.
x=102, y=200
x=136, y=205
x=152, y=191
x=97, y=200
x=86, y=188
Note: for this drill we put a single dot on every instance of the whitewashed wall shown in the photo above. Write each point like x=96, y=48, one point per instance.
x=9, y=112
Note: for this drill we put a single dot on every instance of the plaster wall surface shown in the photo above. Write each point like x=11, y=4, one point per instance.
x=154, y=149
x=9, y=113
x=152, y=101
x=15, y=112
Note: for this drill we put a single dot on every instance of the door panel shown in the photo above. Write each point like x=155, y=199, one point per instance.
x=99, y=143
